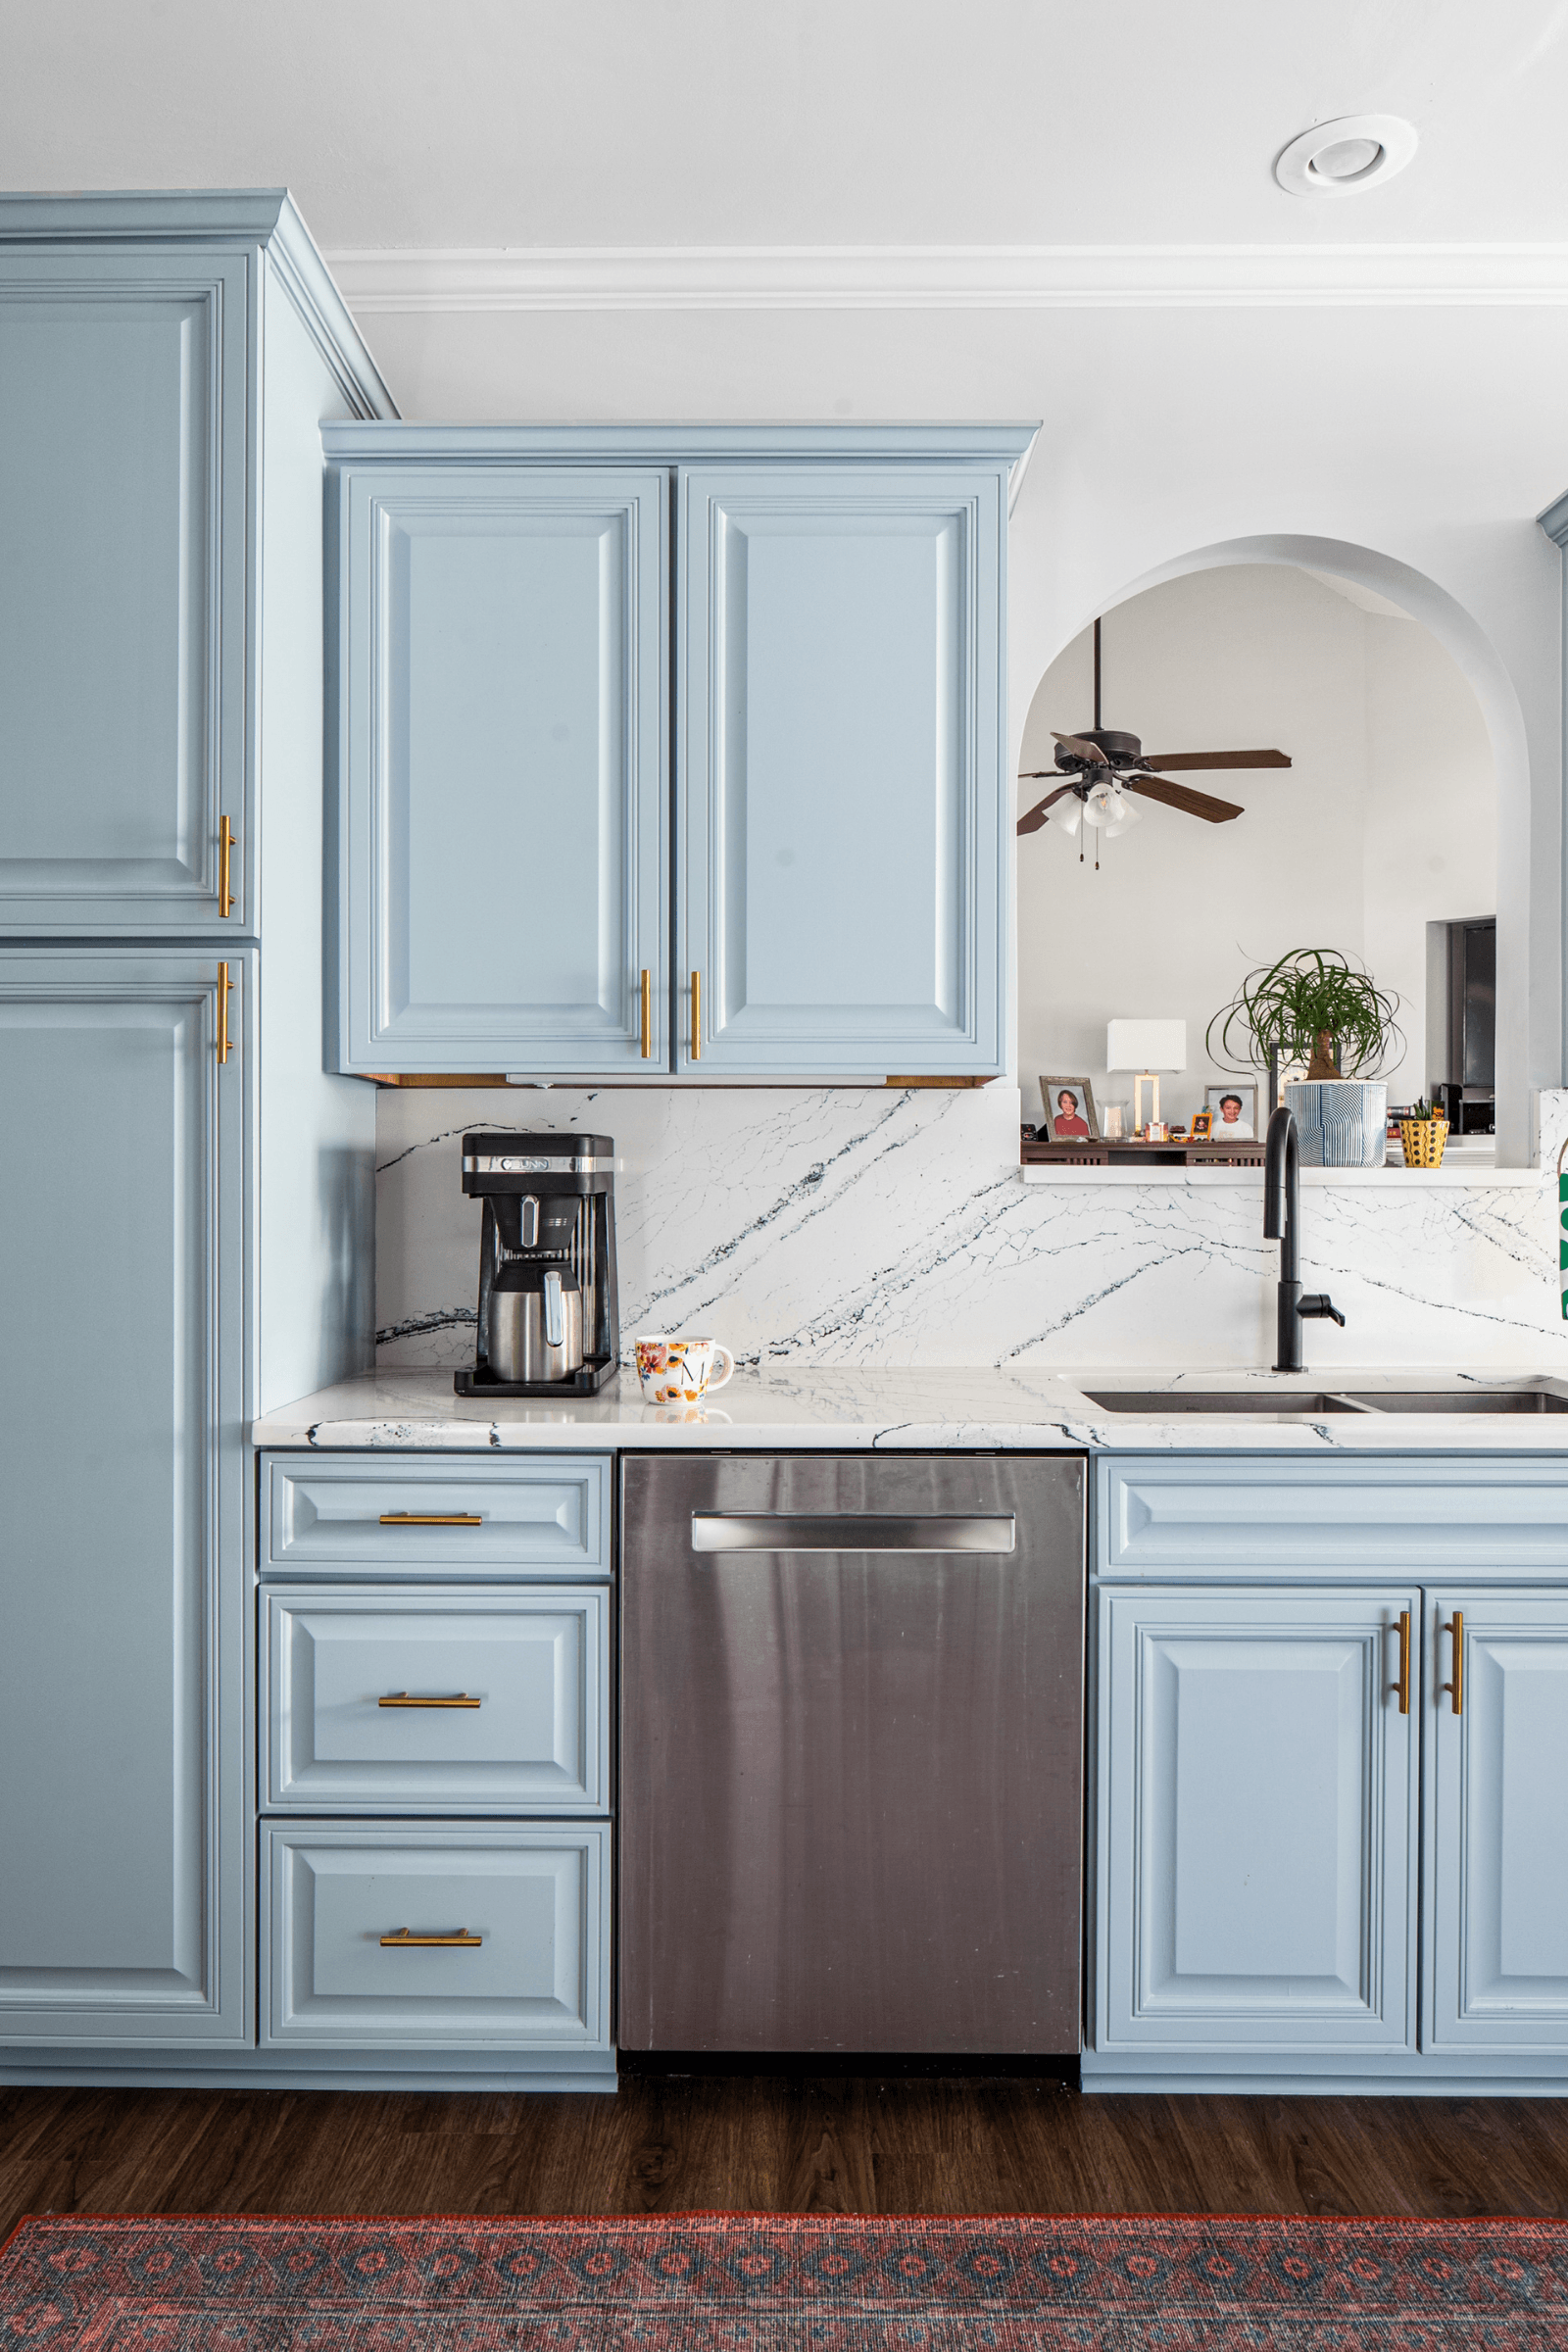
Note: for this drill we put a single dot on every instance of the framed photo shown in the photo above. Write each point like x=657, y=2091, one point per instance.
x=1069, y=1110
x=1234, y=1105
x=1203, y=1125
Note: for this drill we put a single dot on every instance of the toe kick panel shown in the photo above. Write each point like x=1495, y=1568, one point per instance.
x=447, y=1936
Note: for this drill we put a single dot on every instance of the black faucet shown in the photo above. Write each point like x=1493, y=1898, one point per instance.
x=1282, y=1223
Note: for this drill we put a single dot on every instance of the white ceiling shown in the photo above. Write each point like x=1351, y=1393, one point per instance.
x=480, y=123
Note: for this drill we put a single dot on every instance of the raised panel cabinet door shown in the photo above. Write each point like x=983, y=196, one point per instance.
x=124, y=1871
x=842, y=875
x=1497, y=1765
x=466, y=1701
x=1256, y=1800
x=123, y=586
x=503, y=770
x=429, y=1934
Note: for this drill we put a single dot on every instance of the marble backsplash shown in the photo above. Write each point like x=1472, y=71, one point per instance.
x=868, y=1226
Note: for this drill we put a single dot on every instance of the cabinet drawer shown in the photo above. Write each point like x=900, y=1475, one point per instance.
x=537, y=1901
x=430, y=1517
x=1211, y=1516
x=532, y=1670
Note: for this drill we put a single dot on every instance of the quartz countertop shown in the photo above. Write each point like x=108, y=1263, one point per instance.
x=978, y=1408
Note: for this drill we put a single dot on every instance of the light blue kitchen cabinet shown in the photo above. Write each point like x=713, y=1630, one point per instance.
x=188, y=1237
x=842, y=873
x=468, y=1701
x=124, y=1853
x=122, y=419
x=502, y=734
x=824, y=801
x=402, y=1936
x=1257, y=1840
x=134, y=412
x=1497, y=1765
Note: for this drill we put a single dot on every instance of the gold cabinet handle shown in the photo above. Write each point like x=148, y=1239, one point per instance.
x=697, y=1016
x=648, y=1015
x=402, y=1941
x=226, y=852
x=223, y=1012
x=401, y=1699
x=1457, y=1688
x=1402, y=1685
x=431, y=1519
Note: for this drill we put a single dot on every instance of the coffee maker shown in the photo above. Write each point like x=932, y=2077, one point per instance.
x=549, y=1323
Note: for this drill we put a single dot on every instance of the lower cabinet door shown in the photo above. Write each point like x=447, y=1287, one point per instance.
x=1256, y=1847
x=434, y=1938
x=126, y=1866
x=1497, y=1765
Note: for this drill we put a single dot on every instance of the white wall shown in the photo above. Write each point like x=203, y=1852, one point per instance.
x=1387, y=817
x=1430, y=850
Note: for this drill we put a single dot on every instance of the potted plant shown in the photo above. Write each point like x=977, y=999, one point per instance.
x=1314, y=1004
x=1423, y=1135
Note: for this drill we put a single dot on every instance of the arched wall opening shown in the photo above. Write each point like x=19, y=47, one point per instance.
x=1238, y=897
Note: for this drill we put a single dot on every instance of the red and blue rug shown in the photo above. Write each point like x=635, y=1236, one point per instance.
x=759, y=2282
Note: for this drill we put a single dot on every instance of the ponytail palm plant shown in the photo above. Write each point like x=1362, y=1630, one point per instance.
x=1312, y=1006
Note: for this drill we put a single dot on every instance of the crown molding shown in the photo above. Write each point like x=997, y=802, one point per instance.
x=943, y=277
x=1554, y=520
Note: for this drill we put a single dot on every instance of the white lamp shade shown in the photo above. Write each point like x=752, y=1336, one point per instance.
x=1146, y=1044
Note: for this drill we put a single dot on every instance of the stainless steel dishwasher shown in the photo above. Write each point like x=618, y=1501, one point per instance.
x=852, y=1752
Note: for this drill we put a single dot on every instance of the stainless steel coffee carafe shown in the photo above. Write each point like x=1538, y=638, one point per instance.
x=535, y=1321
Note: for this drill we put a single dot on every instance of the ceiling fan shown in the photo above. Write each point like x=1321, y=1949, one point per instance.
x=1100, y=767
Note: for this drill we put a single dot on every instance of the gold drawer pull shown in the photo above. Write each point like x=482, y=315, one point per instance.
x=225, y=853
x=431, y=1519
x=401, y=1699
x=223, y=986
x=1455, y=1688
x=648, y=1015
x=1402, y=1685
x=402, y=1941
x=697, y=1016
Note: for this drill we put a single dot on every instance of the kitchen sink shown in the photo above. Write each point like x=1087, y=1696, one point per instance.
x=1459, y=1400
x=1309, y=1403
x=1157, y=1403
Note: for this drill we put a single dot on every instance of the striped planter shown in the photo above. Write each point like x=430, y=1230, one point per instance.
x=1343, y=1121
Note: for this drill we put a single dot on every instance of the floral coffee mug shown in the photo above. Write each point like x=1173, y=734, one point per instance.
x=679, y=1371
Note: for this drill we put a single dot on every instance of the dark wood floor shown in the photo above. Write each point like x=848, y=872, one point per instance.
x=810, y=2146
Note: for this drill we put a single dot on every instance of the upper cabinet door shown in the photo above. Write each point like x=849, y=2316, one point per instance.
x=122, y=587
x=841, y=871
x=503, y=740
x=1497, y=1763
x=1256, y=1859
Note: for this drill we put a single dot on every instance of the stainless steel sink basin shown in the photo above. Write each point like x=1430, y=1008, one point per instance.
x=1459, y=1400
x=1158, y=1404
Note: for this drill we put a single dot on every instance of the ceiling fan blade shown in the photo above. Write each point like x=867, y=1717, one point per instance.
x=1081, y=747
x=1184, y=798
x=1037, y=815
x=1175, y=760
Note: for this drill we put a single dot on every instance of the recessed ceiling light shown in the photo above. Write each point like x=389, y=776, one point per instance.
x=1343, y=157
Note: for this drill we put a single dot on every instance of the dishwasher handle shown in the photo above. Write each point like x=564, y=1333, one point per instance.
x=852, y=1531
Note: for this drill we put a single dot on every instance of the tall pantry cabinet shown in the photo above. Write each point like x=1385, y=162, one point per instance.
x=165, y=365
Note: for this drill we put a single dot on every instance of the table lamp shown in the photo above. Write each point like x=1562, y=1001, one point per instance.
x=1146, y=1048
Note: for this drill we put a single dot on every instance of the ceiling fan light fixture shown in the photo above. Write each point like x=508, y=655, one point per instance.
x=1126, y=815
x=1342, y=156
x=1068, y=813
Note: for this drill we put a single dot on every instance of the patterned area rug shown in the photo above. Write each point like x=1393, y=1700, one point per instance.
x=699, y=2282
